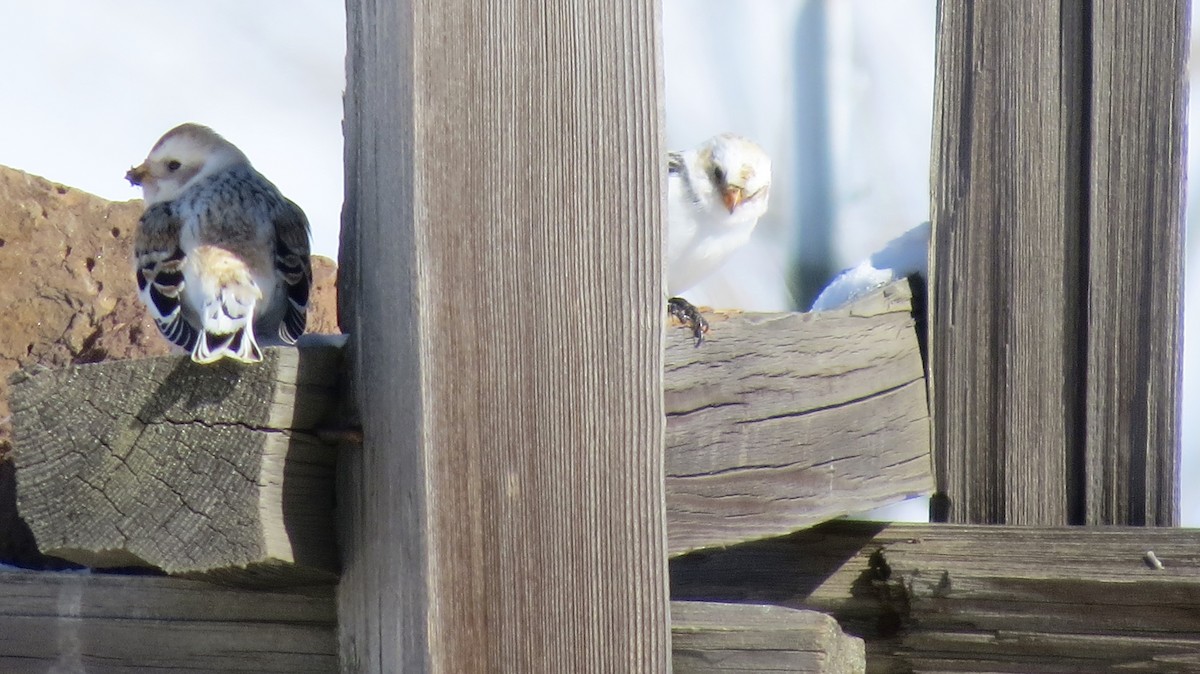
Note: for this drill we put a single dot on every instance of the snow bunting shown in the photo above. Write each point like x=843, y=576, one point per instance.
x=903, y=256
x=715, y=195
x=222, y=258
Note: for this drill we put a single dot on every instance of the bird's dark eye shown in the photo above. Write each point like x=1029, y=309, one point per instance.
x=173, y=165
x=719, y=175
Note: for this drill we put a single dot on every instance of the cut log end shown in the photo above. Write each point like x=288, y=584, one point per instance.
x=188, y=468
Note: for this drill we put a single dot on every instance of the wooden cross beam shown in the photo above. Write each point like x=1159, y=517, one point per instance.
x=779, y=422
x=977, y=598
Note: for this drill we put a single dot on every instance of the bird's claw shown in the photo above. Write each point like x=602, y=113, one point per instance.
x=687, y=313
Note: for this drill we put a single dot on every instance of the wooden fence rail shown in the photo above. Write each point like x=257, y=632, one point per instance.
x=780, y=422
x=943, y=598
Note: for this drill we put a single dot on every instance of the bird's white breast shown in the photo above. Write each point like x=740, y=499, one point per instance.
x=699, y=237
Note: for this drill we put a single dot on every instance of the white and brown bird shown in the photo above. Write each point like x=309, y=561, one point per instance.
x=222, y=258
x=715, y=195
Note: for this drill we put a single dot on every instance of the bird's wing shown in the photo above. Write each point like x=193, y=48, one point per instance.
x=159, y=259
x=903, y=256
x=294, y=267
x=675, y=163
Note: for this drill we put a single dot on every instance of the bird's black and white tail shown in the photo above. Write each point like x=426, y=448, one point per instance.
x=226, y=294
x=228, y=320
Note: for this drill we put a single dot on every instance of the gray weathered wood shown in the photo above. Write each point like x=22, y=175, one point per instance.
x=71, y=622
x=711, y=638
x=180, y=466
x=1056, y=278
x=1139, y=118
x=955, y=598
x=780, y=421
x=504, y=171
x=1006, y=257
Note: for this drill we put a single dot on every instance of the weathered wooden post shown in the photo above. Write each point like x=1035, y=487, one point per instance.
x=1057, y=210
x=502, y=284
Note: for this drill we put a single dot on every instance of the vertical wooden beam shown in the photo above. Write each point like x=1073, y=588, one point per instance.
x=1057, y=208
x=1135, y=307
x=504, y=200
x=1006, y=182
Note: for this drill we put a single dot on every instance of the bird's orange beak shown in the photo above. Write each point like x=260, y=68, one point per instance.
x=137, y=175
x=733, y=196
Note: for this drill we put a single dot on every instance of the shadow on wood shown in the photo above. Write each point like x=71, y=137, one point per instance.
x=188, y=468
x=781, y=421
x=942, y=598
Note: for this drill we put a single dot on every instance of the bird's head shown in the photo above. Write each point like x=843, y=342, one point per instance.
x=740, y=174
x=183, y=155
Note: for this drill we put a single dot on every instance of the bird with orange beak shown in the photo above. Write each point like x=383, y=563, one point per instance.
x=221, y=257
x=715, y=195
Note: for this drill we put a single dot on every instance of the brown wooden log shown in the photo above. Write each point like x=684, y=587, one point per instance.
x=712, y=638
x=780, y=421
x=957, y=598
x=73, y=622
x=189, y=468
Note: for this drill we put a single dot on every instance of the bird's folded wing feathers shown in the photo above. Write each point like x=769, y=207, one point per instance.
x=293, y=265
x=675, y=163
x=159, y=260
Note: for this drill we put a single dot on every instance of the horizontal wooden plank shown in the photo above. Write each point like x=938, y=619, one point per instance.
x=184, y=467
x=780, y=421
x=74, y=622
x=952, y=598
x=111, y=623
x=713, y=638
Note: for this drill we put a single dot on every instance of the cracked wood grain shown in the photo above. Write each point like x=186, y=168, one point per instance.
x=191, y=469
x=781, y=421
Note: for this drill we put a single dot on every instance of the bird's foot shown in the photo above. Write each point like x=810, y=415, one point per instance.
x=687, y=313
